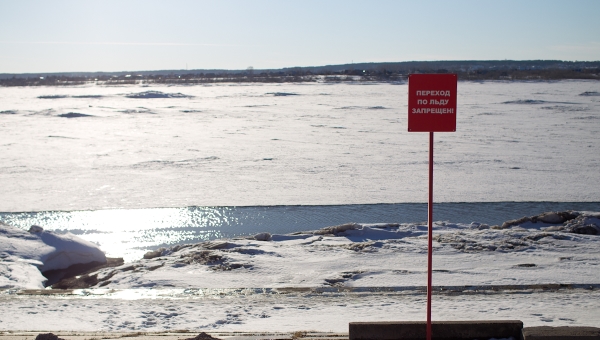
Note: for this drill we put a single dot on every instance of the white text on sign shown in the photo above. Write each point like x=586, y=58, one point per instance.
x=440, y=102
x=434, y=93
x=433, y=110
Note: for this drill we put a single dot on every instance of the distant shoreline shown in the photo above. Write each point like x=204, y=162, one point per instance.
x=470, y=70
x=194, y=79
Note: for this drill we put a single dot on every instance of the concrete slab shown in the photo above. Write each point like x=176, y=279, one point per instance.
x=447, y=330
x=561, y=333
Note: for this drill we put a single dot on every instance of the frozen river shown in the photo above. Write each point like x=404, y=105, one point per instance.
x=95, y=147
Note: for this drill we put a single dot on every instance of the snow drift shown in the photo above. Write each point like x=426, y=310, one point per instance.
x=25, y=255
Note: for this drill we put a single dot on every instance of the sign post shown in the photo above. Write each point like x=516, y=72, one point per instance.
x=431, y=108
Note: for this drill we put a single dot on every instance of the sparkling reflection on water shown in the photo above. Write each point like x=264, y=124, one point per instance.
x=129, y=233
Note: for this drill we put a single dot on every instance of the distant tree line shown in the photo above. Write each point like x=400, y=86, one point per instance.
x=366, y=72
x=43, y=81
x=548, y=74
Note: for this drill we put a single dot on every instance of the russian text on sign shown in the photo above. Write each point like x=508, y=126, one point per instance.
x=434, y=93
x=440, y=102
x=432, y=102
x=434, y=110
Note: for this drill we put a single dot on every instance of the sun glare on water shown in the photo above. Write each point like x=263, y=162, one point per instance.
x=129, y=233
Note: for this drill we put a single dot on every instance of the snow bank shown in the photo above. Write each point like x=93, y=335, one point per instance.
x=25, y=255
x=16, y=272
x=550, y=248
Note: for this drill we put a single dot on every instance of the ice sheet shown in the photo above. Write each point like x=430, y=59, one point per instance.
x=237, y=144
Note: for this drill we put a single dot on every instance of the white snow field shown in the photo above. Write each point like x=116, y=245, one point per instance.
x=95, y=147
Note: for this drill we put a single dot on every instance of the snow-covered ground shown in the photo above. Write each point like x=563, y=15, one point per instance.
x=542, y=270
x=290, y=312
x=25, y=255
x=94, y=147
x=97, y=147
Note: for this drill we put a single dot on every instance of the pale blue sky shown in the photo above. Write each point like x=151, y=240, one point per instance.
x=122, y=35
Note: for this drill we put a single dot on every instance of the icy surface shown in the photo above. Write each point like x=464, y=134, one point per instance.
x=24, y=255
x=94, y=147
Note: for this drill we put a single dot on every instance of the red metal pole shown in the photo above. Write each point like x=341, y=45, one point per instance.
x=430, y=235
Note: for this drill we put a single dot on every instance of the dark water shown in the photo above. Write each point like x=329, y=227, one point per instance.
x=129, y=232
x=285, y=219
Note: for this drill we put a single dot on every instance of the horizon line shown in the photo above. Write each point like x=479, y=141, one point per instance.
x=310, y=66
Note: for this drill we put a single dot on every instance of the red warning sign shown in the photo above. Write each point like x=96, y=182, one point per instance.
x=432, y=102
